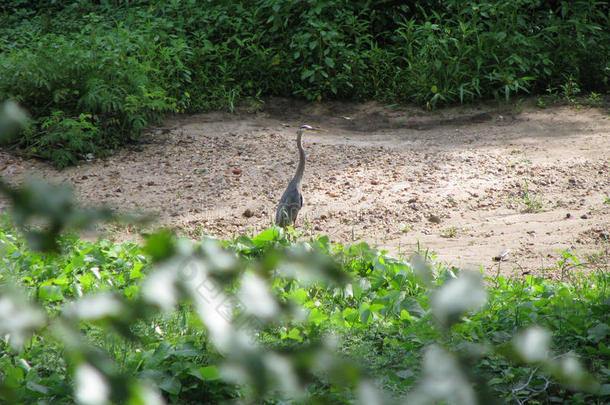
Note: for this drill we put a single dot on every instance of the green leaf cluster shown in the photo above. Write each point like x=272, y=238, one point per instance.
x=383, y=313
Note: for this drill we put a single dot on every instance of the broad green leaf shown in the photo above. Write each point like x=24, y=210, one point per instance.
x=160, y=245
x=377, y=307
x=265, y=237
x=306, y=74
x=294, y=334
x=317, y=316
x=405, y=316
x=337, y=319
x=210, y=372
x=50, y=293
x=365, y=315
x=299, y=296
x=599, y=332
x=136, y=271
x=413, y=307
x=171, y=385
x=350, y=315
x=186, y=350
x=13, y=376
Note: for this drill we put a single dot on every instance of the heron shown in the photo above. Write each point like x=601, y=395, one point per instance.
x=292, y=199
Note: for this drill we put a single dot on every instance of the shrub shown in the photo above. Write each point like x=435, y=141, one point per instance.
x=101, y=76
x=125, y=63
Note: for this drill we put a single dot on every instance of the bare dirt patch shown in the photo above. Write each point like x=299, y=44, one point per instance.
x=465, y=182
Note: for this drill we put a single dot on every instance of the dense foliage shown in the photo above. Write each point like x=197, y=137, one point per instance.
x=94, y=73
x=386, y=317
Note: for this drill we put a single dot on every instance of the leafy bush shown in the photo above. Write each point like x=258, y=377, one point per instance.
x=125, y=63
x=408, y=322
x=87, y=94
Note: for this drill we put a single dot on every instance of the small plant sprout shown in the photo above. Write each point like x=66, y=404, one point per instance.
x=594, y=99
x=450, y=232
x=528, y=200
x=540, y=103
x=570, y=89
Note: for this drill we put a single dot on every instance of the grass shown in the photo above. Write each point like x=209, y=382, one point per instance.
x=382, y=321
x=528, y=201
x=450, y=232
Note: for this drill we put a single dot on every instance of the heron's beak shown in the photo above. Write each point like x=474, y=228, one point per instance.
x=318, y=130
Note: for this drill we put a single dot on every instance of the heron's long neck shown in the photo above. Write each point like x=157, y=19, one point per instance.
x=301, y=167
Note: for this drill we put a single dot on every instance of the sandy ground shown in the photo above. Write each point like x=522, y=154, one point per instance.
x=465, y=182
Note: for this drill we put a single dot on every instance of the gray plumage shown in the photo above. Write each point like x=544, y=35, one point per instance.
x=292, y=199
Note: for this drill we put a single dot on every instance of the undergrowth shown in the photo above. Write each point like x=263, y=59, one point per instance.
x=109, y=69
x=383, y=318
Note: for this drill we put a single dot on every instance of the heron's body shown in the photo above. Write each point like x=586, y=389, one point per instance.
x=292, y=199
x=290, y=205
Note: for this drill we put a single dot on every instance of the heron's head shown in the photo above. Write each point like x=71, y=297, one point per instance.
x=309, y=128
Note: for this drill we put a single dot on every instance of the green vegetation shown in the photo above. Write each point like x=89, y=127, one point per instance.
x=528, y=200
x=449, y=232
x=278, y=317
x=115, y=316
x=94, y=74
